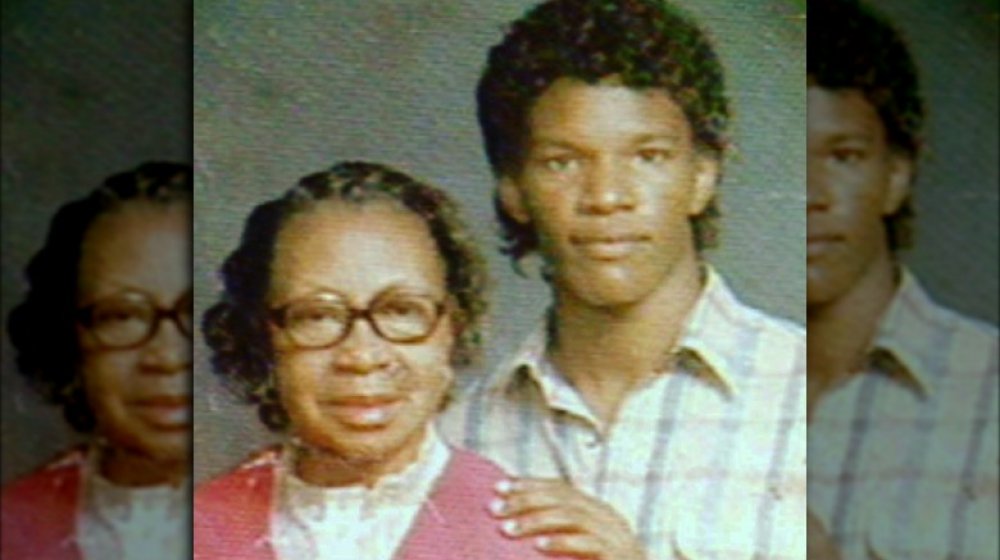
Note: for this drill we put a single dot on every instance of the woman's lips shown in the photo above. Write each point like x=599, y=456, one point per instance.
x=167, y=412
x=364, y=413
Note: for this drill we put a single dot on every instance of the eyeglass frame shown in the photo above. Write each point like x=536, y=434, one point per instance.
x=84, y=316
x=278, y=317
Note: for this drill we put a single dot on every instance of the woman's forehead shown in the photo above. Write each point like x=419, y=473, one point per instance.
x=357, y=250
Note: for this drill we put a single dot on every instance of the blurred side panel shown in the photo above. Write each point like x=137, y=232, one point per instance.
x=903, y=346
x=89, y=89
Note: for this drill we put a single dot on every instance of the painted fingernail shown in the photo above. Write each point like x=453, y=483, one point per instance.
x=504, y=487
x=510, y=527
x=542, y=543
x=498, y=506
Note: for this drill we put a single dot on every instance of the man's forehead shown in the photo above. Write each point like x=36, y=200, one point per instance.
x=842, y=112
x=570, y=109
x=563, y=139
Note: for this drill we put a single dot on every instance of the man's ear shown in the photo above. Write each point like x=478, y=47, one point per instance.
x=706, y=176
x=512, y=200
x=900, y=177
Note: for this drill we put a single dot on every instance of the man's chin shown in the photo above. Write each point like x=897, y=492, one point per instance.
x=822, y=289
x=613, y=289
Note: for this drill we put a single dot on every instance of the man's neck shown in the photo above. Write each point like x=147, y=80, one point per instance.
x=841, y=331
x=606, y=352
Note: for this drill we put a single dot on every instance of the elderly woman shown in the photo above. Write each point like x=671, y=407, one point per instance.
x=345, y=307
x=104, y=332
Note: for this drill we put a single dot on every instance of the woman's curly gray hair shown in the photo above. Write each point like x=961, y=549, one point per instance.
x=236, y=328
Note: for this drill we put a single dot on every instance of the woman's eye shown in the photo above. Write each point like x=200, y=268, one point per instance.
x=398, y=309
x=116, y=315
x=407, y=310
x=317, y=315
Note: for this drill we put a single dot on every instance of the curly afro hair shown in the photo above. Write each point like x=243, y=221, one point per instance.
x=42, y=328
x=852, y=47
x=640, y=43
x=236, y=328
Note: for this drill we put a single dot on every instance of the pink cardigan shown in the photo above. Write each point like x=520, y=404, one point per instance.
x=38, y=513
x=232, y=515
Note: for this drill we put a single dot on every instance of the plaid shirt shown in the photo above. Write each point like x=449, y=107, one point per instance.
x=903, y=457
x=705, y=460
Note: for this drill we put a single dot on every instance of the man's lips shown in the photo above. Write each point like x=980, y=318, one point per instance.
x=819, y=244
x=608, y=246
x=364, y=411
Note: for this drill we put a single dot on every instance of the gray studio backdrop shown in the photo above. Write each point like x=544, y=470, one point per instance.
x=956, y=47
x=89, y=89
x=283, y=89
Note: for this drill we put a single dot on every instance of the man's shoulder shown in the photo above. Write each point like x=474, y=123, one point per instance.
x=970, y=353
x=725, y=310
x=918, y=316
x=746, y=339
x=975, y=330
x=785, y=329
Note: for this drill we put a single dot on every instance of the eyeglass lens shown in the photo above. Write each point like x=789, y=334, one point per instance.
x=322, y=322
x=131, y=319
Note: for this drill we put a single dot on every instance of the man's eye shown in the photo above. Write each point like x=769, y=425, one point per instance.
x=847, y=155
x=561, y=163
x=653, y=155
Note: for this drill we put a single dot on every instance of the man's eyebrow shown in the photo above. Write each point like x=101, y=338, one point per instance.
x=849, y=136
x=544, y=142
x=552, y=143
x=659, y=137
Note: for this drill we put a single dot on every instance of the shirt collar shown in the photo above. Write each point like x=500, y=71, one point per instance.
x=119, y=503
x=895, y=351
x=694, y=354
x=410, y=486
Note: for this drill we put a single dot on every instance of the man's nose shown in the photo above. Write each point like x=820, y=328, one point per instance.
x=607, y=188
x=817, y=186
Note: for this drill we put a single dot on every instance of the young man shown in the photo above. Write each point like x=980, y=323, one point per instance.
x=652, y=415
x=902, y=392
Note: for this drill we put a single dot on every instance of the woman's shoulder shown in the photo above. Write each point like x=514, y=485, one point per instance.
x=38, y=512
x=252, y=476
x=461, y=524
x=231, y=510
x=473, y=463
x=56, y=476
